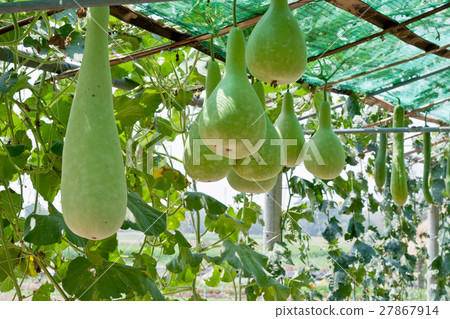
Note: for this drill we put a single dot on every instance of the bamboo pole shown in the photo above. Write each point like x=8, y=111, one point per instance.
x=433, y=250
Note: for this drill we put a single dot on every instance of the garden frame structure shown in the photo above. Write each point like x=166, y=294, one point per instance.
x=359, y=9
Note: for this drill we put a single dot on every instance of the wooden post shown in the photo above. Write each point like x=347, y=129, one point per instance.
x=272, y=216
x=433, y=250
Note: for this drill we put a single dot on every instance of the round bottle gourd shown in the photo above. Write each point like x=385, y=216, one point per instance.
x=380, y=163
x=291, y=132
x=399, y=185
x=233, y=117
x=323, y=154
x=426, y=167
x=200, y=162
x=93, y=185
x=276, y=49
x=267, y=162
x=245, y=186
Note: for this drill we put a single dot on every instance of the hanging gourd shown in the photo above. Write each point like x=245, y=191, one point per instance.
x=290, y=131
x=380, y=162
x=245, y=186
x=267, y=162
x=200, y=162
x=426, y=167
x=93, y=184
x=324, y=155
x=447, y=175
x=232, y=121
x=399, y=185
x=276, y=49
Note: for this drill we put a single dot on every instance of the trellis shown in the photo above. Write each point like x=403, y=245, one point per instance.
x=358, y=8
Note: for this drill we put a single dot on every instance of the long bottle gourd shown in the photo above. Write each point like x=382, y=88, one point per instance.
x=267, y=162
x=276, y=49
x=200, y=162
x=323, y=154
x=399, y=185
x=290, y=131
x=426, y=167
x=93, y=185
x=233, y=115
x=380, y=162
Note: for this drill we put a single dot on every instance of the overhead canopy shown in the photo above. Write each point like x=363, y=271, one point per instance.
x=397, y=50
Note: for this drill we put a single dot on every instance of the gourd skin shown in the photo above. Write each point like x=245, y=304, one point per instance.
x=233, y=112
x=323, y=154
x=245, y=186
x=267, y=162
x=426, y=167
x=380, y=163
x=201, y=163
x=290, y=129
x=93, y=185
x=276, y=49
x=399, y=185
x=447, y=175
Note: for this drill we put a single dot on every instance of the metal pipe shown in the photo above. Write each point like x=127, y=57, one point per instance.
x=376, y=130
x=41, y=5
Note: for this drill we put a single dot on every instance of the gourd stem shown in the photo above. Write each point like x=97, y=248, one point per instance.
x=211, y=44
x=278, y=3
x=234, y=13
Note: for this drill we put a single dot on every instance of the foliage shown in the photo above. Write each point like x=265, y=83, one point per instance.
x=166, y=263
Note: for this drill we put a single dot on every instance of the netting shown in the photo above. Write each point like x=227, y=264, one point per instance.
x=327, y=27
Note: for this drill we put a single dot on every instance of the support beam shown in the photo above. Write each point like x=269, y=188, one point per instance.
x=330, y=84
x=363, y=11
x=24, y=22
x=272, y=216
x=377, y=130
x=433, y=250
x=420, y=149
x=41, y=5
x=372, y=100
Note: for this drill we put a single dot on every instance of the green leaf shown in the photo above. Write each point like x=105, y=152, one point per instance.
x=364, y=251
x=14, y=252
x=72, y=237
x=214, y=279
x=15, y=150
x=143, y=217
x=44, y=292
x=332, y=230
x=10, y=202
x=224, y=224
x=48, y=184
x=197, y=201
x=7, y=81
x=127, y=110
x=243, y=257
x=43, y=229
x=7, y=170
x=108, y=281
x=57, y=147
x=352, y=106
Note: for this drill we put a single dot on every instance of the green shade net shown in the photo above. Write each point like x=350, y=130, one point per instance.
x=327, y=27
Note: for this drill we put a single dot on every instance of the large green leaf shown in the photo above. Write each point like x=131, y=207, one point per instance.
x=332, y=231
x=10, y=202
x=43, y=229
x=47, y=184
x=87, y=281
x=243, y=257
x=143, y=217
x=197, y=201
x=44, y=292
x=13, y=252
x=7, y=81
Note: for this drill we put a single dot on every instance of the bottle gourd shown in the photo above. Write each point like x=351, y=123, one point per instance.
x=233, y=116
x=200, y=162
x=276, y=49
x=399, y=185
x=291, y=132
x=426, y=167
x=380, y=163
x=93, y=185
x=267, y=161
x=447, y=175
x=324, y=155
x=245, y=186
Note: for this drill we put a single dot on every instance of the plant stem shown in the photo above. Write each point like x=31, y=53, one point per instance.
x=234, y=14
x=52, y=279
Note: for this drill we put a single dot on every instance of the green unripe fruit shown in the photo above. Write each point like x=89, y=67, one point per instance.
x=323, y=154
x=200, y=162
x=447, y=175
x=245, y=186
x=267, y=161
x=380, y=163
x=426, y=167
x=399, y=185
x=276, y=49
x=93, y=185
x=291, y=132
x=233, y=114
